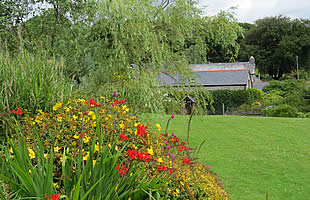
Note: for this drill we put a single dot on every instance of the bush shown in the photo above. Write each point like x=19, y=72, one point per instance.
x=282, y=110
x=105, y=149
x=231, y=98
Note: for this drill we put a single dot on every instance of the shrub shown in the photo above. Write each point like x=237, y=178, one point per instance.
x=91, y=142
x=282, y=110
x=231, y=98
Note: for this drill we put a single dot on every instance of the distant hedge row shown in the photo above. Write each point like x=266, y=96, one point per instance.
x=213, y=100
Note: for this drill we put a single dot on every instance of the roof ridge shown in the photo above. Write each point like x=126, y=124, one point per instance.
x=220, y=70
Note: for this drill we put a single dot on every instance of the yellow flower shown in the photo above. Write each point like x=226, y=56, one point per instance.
x=58, y=105
x=121, y=126
x=125, y=108
x=86, y=139
x=158, y=127
x=74, y=117
x=136, y=124
x=45, y=155
x=92, y=114
x=56, y=149
x=74, y=143
x=150, y=151
x=86, y=156
x=10, y=150
x=160, y=160
x=67, y=109
x=32, y=155
x=94, y=162
x=176, y=193
x=96, y=147
x=56, y=185
x=59, y=119
x=76, y=137
x=134, y=146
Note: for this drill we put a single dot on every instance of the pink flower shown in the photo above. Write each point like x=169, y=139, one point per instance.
x=172, y=116
x=114, y=94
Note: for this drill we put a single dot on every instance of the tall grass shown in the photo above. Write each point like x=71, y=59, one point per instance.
x=31, y=81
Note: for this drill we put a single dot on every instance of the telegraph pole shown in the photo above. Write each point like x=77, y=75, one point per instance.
x=297, y=67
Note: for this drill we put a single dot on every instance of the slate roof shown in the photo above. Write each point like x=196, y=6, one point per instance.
x=211, y=78
x=260, y=85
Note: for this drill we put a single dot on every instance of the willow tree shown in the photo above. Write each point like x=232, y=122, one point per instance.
x=132, y=42
x=125, y=45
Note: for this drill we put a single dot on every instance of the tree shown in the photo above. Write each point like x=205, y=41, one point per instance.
x=275, y=42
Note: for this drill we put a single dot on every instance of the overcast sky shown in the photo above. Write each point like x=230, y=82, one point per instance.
x=251, y=10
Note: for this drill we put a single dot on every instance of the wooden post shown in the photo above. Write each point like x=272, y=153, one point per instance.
x=266, y=195
x=223, y=108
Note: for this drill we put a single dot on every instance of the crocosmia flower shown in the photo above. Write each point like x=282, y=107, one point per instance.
x=121, y=170
x=185, y=160
x=53, y=197
x=123, y=137
x=93, y=102
x=18, y=112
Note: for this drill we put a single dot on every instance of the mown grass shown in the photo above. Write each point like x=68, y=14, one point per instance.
x=252, y=155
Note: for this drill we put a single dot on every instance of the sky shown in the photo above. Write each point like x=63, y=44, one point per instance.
x=251, y=10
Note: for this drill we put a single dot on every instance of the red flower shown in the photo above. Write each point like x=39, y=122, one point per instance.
x=53, y=197
x=81, y=135
x=118, y=101
x=175, y=139
x=136, y=155
x=18, y=112
x=93, y=102
x=185, y=160
x=181, y=148
x=121, y=171
x=123, y=137
x=141, y=130
x=162, y=168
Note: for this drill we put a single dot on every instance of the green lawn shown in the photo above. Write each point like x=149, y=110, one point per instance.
x=252, y=155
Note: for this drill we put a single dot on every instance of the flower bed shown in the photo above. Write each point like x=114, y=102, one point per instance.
x=101, y=144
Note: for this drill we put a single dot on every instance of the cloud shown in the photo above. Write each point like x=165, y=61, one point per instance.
x=251, y=10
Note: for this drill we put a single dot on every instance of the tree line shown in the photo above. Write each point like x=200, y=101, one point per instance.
x=124, y=45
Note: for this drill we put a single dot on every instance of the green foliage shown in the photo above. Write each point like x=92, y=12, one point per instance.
x=222, y=33
x=231, y=98
x=258, y=95
x=292, y=92
x=100, y=41
x=203, y=100
x=31, y=82
x=282, y=110
x=275, y=42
